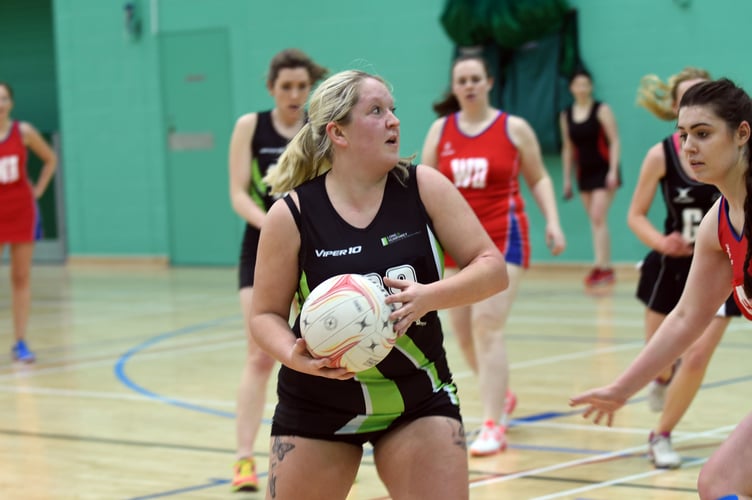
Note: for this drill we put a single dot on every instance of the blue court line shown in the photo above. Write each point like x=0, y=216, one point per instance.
x=121, y=362
x=213, y=482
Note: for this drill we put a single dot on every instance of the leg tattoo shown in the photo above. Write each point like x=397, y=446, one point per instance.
x=279, y=450
x=458, y=433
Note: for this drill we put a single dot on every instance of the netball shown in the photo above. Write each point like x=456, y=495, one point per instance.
x=345, y=318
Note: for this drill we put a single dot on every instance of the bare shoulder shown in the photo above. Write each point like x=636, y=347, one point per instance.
x=518, y=125
x=655, y=156
x=279, y=220
x=520, y=131
x=653, y=167
x=436, y=127
x=604, y=108
x=247, y=121
x=431, y=182
x=27, y=129
x=707, y=235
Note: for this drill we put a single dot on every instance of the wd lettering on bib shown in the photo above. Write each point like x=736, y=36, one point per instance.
x=9, y=169
x=470, y=172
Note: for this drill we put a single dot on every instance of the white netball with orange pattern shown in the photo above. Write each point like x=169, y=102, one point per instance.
x=345, y=318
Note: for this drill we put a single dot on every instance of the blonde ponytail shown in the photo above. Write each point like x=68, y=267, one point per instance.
x=659, y=97
x=305, y=157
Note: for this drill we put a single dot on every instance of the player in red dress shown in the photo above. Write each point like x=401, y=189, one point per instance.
x=484, y=151
x=19, y=218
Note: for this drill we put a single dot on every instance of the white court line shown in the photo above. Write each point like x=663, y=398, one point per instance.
x=555, y=359
x=595, y=428
x=620, y=480
x=595, y=458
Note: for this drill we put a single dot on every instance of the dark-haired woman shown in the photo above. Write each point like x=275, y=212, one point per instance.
x=714, y=128
x=257, y=142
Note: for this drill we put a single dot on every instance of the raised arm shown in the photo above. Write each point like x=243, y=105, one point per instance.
x=482, y=266
x=538, y=180
x=240, y=159
x=36, y=143
x=707, y=287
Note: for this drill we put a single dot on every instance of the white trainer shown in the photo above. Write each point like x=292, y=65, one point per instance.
x=657, y=395
x=490, y=440
x=661, y=453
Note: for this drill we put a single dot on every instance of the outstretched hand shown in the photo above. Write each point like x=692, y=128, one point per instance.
x=602, y=402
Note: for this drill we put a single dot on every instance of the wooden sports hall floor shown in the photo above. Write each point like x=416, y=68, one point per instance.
x=133, y=394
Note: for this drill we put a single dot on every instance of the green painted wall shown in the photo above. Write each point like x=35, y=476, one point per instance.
x=113, y=129
x=111, y=126
x=27, y=60
x=622, y=40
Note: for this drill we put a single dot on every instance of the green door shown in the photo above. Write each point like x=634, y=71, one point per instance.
x=194, y=69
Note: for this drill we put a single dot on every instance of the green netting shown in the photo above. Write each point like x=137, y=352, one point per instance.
x=464, y=23
x=510, y=23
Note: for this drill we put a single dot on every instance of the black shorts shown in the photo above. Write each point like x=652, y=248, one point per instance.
x=248, y=253
x=438, y=405
x=594, y=178
x=662, y=282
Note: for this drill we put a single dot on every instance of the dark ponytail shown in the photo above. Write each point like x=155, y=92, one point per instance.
x=748, y=224
x=447, y=105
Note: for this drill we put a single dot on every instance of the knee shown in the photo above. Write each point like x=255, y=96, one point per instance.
x=20, y=278
x=709, y=487
x=259, y=362
x=464, y=340
x=695, y=360
x=598, y=219
x=486, y=328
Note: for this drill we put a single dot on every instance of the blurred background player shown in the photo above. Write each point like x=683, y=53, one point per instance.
x=257, y=142
x=590, y=141
x=483, y=150
x=20, y=225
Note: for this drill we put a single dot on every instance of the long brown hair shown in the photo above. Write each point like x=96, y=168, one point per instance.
x=733, y=105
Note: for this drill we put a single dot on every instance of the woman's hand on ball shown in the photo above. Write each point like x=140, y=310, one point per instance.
x=302, y=361
x=410, y=301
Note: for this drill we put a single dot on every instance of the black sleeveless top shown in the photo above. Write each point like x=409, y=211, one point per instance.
x=589, y=140
x=267, y=146
x=686, y=199
x=400, y=243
